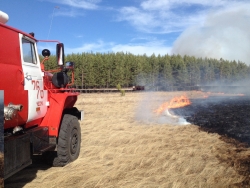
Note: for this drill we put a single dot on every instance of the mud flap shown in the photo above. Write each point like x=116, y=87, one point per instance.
x=16, y=154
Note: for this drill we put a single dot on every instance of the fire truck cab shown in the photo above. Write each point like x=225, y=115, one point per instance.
x=39, y=113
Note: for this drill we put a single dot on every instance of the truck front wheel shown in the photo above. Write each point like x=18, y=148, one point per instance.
x=69, y=141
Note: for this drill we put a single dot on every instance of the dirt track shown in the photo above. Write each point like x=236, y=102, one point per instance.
x=124, y=145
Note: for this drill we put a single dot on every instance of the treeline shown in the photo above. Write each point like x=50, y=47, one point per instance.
x=168, y=72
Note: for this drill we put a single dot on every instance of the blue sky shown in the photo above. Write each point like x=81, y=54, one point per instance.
x=207, y=28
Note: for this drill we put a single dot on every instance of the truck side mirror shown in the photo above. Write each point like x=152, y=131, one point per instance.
x=60, y=53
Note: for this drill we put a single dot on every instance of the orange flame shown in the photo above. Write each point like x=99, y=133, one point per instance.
x=176, y=102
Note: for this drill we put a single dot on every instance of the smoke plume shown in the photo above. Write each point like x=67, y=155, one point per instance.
x=223, y=34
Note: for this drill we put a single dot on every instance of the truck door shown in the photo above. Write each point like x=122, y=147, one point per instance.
x=33, y=79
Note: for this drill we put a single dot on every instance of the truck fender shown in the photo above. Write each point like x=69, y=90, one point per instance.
x=57, y=103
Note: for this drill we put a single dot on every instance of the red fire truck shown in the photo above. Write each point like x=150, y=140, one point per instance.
x=39, y=113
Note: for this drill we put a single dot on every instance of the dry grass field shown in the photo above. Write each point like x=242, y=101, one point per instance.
x=124, y=144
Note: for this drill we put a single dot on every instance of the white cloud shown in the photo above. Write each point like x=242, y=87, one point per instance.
x=73, y=8
x=158, y=16
x=141, y=49
x=99, y=46
x=79, y=36
x=83, y=4
x=148, y=48
x=170, y=4
x=68, y=13
x=138, y=18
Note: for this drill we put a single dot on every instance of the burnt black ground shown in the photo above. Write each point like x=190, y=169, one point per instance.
x=228, y=116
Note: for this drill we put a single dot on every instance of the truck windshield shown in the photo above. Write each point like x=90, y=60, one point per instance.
x=29, y=54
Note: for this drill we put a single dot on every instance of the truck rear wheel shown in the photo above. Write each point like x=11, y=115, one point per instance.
x=69, y=141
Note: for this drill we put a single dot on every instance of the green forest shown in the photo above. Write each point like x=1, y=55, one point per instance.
x=167, y=72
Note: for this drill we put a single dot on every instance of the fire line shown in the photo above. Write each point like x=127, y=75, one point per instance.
x=176, y=102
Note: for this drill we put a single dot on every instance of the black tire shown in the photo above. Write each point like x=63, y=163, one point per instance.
x=69, y=141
